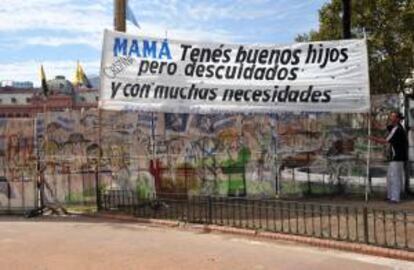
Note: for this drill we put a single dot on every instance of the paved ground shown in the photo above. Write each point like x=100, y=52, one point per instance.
x=83, y=243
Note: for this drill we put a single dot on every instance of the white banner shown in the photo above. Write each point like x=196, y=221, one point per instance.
x=165, y=75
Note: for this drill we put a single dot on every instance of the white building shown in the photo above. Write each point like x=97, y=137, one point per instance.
x=16, y=84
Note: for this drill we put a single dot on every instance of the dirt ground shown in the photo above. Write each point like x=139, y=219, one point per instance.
x=88, y=243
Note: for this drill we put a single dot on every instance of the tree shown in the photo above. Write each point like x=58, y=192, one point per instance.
x=389, y=25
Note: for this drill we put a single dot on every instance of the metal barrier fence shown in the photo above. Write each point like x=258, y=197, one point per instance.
x=361, y=224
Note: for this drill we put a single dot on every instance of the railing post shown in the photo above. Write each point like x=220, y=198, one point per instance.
x=210, y=210
x=98, y=190
x=365, y=222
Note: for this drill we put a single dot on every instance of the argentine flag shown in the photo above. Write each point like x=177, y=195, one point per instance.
x=131, y=17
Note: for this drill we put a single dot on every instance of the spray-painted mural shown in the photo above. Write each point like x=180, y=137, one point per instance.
x=67, y=155
x=17, y=163
x=155, y=154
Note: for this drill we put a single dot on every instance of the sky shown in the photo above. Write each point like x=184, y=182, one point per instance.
x=57, y=33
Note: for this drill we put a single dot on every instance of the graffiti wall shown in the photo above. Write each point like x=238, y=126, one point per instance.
x=257, y=155
x=17, y=164
x=67, y=153
x=239, y=154
x=155, y=154
x=324, y=153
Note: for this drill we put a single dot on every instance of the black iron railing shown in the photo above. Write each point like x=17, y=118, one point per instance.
x=376, y=226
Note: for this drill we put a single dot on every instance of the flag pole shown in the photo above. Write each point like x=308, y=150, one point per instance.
x=120, y=15
x=369, y=132
x=119, y=25
x=77, y=80
x=99, y=161
x=42, y=170
x=37, y=184
x=368, y=158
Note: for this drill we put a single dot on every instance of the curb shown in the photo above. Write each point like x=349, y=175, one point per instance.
x=324, y=243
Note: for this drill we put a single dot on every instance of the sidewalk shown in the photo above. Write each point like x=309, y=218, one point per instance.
x=108, y=244
x=323, y=243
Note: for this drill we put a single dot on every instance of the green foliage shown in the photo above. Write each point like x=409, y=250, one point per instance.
x=389, y=25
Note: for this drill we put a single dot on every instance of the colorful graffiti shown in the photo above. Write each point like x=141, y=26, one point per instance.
x=156, y=153
x=17, y=163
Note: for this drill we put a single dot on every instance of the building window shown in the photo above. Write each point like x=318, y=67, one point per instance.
x=97, y=98
x=28, y=100
x=14, y=100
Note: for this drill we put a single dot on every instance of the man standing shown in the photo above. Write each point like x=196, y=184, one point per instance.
x=397, y=138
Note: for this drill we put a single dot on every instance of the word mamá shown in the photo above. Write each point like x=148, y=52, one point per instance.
x=141, y=48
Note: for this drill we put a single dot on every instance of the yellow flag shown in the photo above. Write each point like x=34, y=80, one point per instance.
x=80, y=77
x=77, y=80
x=43, y=81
